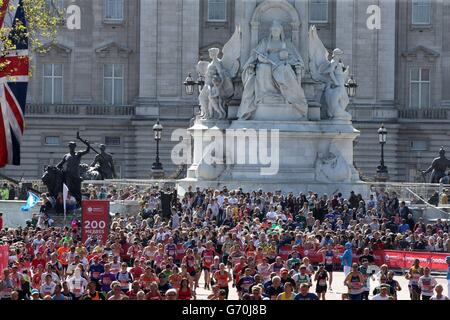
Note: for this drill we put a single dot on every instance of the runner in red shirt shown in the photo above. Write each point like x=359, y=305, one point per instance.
x=189, y=261
x=222, y=278
x=237, y=270
x=175, y=278
x=153, y=293
x=136, y=271
x=39, y=260
x=148, y=278
x=135, y=288
x=207, y=261
x=185, y=292
x=36, y=280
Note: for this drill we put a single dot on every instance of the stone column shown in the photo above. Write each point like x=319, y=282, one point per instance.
x=344, y=30
x=148, y=55
x=190, y=40
x=303, y=11
x=386, y=52
x=248, y=7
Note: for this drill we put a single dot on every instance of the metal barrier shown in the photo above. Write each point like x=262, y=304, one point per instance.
x=412, y=193
x=409, y=192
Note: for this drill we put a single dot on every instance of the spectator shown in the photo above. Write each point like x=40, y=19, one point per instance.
x=439, y=296
x=4, y=192
x=434, y=200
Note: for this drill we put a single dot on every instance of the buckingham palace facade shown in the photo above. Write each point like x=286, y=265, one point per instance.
x=124, y=68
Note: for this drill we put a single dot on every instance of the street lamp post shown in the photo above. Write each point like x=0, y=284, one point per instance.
x=382, y=172
x=157, y=168
x=190, y=86
x=351, y=86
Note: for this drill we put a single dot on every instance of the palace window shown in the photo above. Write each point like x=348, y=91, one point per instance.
x=55, y=4
x=112, y=141
x=53, y=83
x=421, y=12
x=113, y=84
x=318, y=11
x=419, y=88
x=418, y=145
x=52, y=141
x=114, y=10
x=217, y=10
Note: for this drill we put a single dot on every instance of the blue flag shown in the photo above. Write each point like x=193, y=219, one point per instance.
x=31, y=202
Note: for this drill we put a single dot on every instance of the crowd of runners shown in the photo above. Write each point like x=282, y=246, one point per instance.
x=228, y=241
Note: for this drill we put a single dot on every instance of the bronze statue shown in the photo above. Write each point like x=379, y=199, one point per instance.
x=438, y=167
x=53, y=180
x=104, y=164
x=70, y=166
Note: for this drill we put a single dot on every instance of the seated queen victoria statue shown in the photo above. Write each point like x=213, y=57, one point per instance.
x=272, y=75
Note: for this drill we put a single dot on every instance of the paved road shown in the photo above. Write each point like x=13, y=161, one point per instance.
x=337, y=286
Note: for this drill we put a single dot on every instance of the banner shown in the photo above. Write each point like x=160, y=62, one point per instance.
x=312, y=254
x=395, y=259
x=438, y=262
x=405, y=259
x=4, y=259
x=95, y=219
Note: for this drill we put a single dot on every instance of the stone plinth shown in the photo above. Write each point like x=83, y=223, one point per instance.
x=280, y=112
x=286, y=155
x=300, y=145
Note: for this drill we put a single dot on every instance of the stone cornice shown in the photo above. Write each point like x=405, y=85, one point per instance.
x=428, y=53
x=105, y=49
x=58, y=48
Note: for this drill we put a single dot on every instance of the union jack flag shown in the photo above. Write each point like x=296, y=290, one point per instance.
x=13, y=82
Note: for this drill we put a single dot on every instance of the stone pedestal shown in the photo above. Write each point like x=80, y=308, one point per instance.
x=271, y=112
x=274, y=155
x=204, y=135
x=301, y=147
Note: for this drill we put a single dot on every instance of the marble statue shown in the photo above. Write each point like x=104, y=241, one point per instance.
x=333, y=74
x=274, y=136
x=332, y=167
x=219, y=75
x=273, y=71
